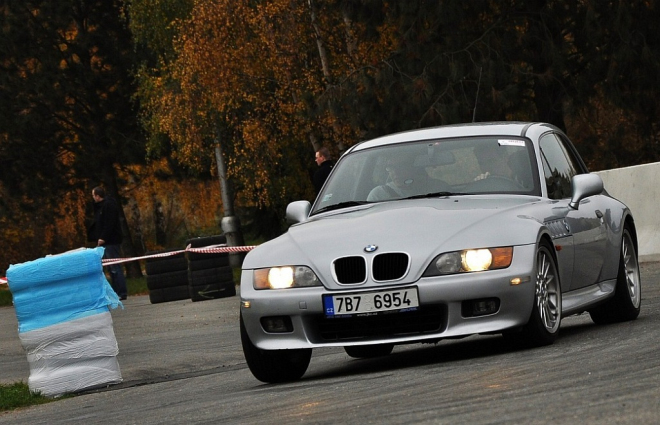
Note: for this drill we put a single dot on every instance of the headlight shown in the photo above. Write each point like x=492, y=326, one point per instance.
x=285, y=277
x=470, y=260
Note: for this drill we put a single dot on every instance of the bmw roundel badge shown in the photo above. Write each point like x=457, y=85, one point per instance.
x=370, y=248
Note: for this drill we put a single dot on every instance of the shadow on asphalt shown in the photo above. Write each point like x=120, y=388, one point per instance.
x=444, y=352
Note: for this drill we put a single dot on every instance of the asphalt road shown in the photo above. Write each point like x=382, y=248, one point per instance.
x=182, y=364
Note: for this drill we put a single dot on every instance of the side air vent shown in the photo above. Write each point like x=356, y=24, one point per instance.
x=558, y=228
x=350, y=270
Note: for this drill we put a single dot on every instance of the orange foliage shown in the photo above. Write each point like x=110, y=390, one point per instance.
x=246, y=70
x=42, y=236
x=189, y=208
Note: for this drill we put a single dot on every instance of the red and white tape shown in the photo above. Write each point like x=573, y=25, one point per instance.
x=211, y=249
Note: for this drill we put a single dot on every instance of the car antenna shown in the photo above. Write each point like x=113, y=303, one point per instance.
x=476, y=100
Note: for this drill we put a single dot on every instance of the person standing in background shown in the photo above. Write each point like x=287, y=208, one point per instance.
x=325, y=163
x=106, y=232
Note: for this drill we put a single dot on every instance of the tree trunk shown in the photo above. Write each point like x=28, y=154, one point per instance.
x=159, y=223
x=231, y=225
x=325, y=68
x=351, y=41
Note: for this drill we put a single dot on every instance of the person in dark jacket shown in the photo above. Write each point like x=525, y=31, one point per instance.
x=325, y=163
x=106, y=232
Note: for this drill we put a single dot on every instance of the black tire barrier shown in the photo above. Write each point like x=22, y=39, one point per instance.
x=211, y=283
x=170, y=263
x=175, y=293
x=167, y=280
x=203, y=242
x=211, y=261
x=218, y=274
x=209, y=275
x=167, y=277
x=211, y=280
x=212, y=291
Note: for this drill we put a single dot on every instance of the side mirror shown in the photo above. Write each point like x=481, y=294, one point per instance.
x=298, y=211
x=584, y=186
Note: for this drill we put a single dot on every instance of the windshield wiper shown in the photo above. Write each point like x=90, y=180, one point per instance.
x=341, y=205
x=434, y=194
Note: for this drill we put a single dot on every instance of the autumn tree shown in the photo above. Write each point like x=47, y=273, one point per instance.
x=231, y=83
x=67, y=121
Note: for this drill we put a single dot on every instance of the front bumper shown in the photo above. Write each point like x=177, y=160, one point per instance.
x=442, y=312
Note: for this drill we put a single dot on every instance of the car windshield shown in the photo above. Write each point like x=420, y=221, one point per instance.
x=412, y=170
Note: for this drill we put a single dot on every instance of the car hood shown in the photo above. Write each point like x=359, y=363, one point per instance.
x=422, y=228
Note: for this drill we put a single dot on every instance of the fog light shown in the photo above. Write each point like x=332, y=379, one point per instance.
x=481, y=307
x=277, y=324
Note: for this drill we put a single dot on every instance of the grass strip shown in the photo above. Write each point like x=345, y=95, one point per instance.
x=18, y=395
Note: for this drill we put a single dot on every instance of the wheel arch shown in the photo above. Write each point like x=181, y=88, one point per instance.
x=629, y=222
x=545, y=236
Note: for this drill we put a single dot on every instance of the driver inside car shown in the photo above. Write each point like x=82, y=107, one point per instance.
x=492, y=161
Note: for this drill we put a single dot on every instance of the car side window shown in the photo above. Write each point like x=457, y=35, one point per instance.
x=559, y=166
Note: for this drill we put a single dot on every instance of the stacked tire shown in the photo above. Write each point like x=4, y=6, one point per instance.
x=209, y=275
x=167, y=277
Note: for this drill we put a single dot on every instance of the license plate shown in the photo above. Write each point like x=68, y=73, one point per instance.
x=403, y=299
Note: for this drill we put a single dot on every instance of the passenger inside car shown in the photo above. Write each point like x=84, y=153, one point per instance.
x=404, y=179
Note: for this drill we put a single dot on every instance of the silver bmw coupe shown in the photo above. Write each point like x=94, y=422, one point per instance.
x=440, y=233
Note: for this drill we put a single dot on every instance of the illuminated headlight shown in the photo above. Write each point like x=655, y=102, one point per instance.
x=470, y=260
x=285, y=277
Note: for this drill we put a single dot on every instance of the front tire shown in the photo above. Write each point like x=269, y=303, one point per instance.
x=545, y=319
x=626, y=303
x=274, y=366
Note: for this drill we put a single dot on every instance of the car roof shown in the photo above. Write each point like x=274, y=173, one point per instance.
x=504, y=128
